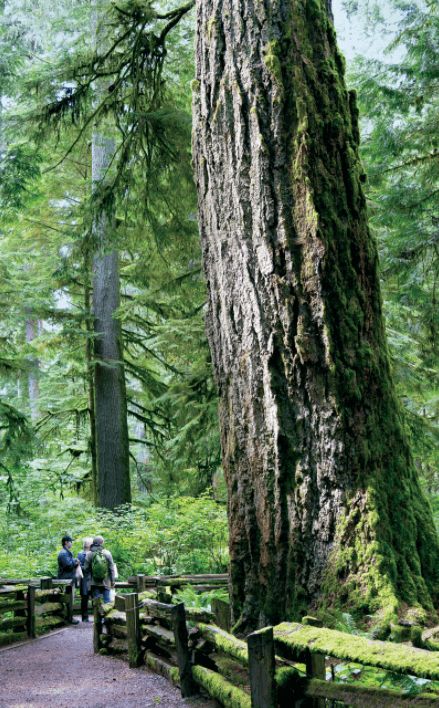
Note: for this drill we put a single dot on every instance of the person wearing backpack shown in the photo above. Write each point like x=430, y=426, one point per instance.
x=84, y=583
x=99, y=569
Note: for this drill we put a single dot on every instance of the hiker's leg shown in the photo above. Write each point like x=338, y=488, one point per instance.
x=107, y=595
x=84, y=608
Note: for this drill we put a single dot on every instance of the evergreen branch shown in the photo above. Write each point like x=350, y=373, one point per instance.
x=414, y=161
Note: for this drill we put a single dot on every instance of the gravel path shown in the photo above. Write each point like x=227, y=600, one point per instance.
x=61, y=670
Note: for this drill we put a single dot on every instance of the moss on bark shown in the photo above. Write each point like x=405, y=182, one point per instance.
x=325, y=507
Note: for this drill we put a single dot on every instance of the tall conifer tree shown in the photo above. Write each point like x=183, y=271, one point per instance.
x=324, y=501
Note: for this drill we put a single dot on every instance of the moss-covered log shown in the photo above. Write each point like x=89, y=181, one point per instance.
x=154, y=608
x=221, y=690
x=226, y=643
x=11, y=637
x=11, y=590
x=119, y=631
x=372, y=697
x=47, y=595
x=12, y=622
x=160, y=666
x=160, y=634
x=294, y=640
x=115, y=617
x=11, y=606
x=325, y=507
x=48, y=608
x=195, y=614
x=45, y=624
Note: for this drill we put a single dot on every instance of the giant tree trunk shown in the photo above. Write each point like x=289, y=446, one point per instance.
x=324, y=503
x=111, y=431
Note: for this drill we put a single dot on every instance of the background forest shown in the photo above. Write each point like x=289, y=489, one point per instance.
x=70, y=72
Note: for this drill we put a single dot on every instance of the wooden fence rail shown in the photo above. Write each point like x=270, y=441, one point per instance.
x=29, y=608
x=278, y=667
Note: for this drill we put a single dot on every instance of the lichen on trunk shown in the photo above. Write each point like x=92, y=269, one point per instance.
x=325, y=507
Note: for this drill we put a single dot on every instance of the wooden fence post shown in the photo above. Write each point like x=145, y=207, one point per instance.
x=261, y=668
x=45, y=583
x=140, y=582
x=221, y=610
x=31, y=611
x=133, y=629
x=69, y=601
x=315, y=663
x=97, y=624
x=178, y=620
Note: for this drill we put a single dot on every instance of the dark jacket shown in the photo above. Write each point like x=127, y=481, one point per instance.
x=66, y=564
x=84, y=585
x=109, y=580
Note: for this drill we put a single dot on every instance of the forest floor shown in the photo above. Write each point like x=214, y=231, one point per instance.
x=60, y=669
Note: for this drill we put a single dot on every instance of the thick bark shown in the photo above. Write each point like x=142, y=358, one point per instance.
x=111, y=430
x=324, y=503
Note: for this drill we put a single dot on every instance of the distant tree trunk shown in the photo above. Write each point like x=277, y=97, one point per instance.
x=111, y=431
x=89, y=356
x=325, y=507
x=110, y=408
x=33, y=370
x=143, y=462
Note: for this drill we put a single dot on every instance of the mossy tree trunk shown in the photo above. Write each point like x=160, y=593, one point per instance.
x=324, y=503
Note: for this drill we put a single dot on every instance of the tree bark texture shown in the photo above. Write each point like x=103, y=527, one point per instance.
x=324, y=503
x=111, y=431
x=89, y=358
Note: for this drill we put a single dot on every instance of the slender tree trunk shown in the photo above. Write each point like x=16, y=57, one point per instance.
x=89, y=355
x=324, y=503
x=33, y=373
x=143, y=461
x=110, y=409
x=111, y=429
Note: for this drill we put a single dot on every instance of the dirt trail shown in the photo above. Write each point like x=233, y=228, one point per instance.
x=61, y=670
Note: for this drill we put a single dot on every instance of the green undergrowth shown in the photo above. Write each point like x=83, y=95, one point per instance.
x=200, y=600
x=351, y=673
x=176, y=535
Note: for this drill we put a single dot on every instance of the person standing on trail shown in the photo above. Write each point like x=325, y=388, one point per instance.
x=99, y=569
x=67, y=564
x=84, y=585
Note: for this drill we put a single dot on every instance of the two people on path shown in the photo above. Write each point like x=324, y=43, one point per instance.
x=98, y=570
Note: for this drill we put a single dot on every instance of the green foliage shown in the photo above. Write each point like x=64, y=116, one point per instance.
x=398, y=101
x=200, y=600
x=166, y=536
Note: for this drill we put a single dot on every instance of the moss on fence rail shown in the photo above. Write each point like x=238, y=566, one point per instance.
x=220, y=689
x=293, y=639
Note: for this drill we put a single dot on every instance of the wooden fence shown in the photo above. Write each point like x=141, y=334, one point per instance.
x=284, y=666
x=29, y=608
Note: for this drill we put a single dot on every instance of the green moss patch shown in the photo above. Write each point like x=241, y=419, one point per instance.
x=221, y=690
x=293, y=639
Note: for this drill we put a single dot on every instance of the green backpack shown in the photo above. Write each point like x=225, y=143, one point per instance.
x=99, y=567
